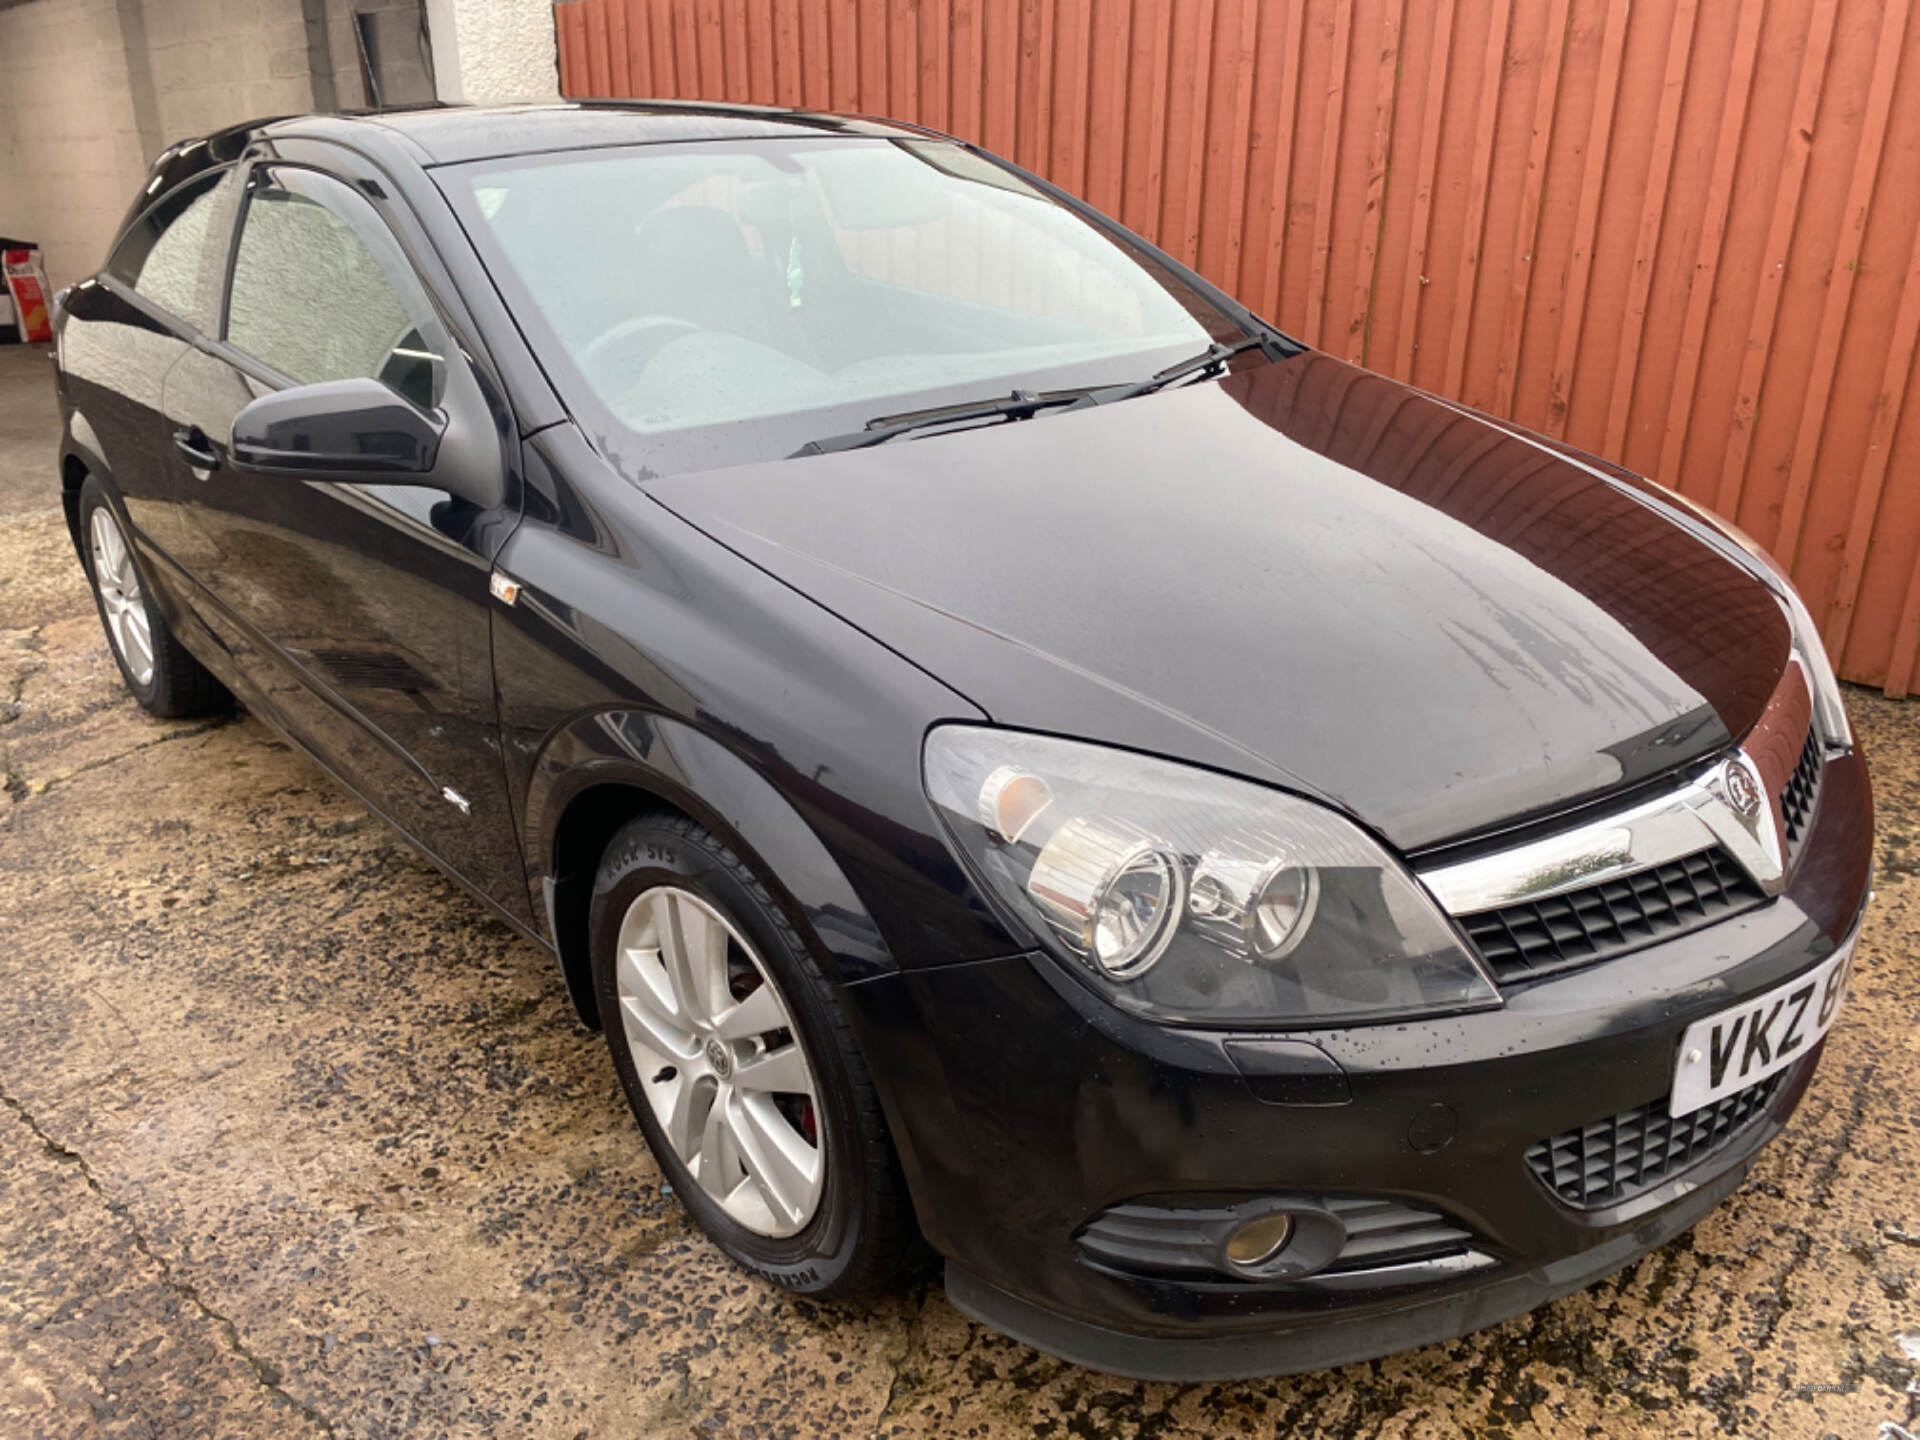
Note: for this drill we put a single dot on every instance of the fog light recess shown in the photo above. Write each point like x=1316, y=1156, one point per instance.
x=1255, y=1242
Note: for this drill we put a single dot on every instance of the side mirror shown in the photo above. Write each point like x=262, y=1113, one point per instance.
x=339, y=429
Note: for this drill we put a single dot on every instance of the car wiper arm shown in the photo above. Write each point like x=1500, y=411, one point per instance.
x=1024, y=404
x=1019, y=405
x=1214, y=356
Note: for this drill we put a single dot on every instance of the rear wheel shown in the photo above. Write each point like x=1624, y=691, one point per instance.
x=739, y=1066
x=162, y=675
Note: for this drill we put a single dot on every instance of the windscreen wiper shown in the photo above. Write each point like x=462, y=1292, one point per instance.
x=1024, y=404
x=1019, y=405
x=1215, y=356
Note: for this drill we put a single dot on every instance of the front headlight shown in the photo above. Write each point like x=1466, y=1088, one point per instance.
x=1829, y=708
x=1191, y=897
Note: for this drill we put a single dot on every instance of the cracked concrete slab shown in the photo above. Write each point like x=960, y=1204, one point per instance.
x=92, y=1318
x=295, y=1140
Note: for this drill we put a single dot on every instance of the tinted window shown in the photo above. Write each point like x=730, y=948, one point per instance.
x=727, y=302
x=162, y=255
x=322, y=292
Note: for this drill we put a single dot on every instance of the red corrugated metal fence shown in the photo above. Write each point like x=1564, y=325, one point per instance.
x=1683, y=235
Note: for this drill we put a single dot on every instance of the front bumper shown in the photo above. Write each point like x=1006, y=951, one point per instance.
x=1025, y=1107
x=1338, y=1337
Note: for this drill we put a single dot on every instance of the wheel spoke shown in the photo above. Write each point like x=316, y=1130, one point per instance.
x=683, y=1114
x=689, y=984
x=706, y=941
x=717, y=1158
x=783, y=1166
x=650, y=1025
x=783, y=1072
x=756, y=1015
x=106, y=536
x=106, y=572
x=139, y=638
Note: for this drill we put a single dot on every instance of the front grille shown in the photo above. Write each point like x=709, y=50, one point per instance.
x=1541, y=937
x=1614, y=1160
x=1802, y=791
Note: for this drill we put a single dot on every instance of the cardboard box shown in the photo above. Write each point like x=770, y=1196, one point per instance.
x=27, y=291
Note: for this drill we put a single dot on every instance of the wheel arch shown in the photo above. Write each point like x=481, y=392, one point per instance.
x=604, y=769
x=79, y=458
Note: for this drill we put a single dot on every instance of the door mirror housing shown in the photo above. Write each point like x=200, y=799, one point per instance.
x=356, y=429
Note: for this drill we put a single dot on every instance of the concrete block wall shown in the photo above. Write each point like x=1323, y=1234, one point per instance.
x=71, y=154
x=92, y=90
x=400, y=53
x=213, y=62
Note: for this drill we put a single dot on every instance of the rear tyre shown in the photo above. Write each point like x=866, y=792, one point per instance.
x=740, y=1068
x=158, y=669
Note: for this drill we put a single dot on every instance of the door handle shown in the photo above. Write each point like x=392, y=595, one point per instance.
x=198, y=450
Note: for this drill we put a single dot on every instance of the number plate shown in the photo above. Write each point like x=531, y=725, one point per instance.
x=1739, y=1046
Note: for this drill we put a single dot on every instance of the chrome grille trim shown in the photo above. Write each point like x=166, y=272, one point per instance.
x=1698, y=815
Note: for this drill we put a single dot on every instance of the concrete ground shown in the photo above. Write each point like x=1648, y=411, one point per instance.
x=29, y=428
x=296, y=1141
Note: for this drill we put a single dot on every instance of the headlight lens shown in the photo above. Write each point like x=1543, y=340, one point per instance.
x=1191, y=897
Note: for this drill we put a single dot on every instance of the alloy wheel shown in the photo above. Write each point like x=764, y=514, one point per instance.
x=720, y=1061
x=120, y=597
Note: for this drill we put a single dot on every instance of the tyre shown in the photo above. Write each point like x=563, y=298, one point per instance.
x=740, y=1068
x=163, y=677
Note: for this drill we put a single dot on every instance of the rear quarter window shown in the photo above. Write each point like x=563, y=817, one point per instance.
x=168, y=253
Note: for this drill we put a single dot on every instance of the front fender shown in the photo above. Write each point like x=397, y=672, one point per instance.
x=675, y=763
x=638, y=654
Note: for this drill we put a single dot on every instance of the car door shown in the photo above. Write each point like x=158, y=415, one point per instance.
x=360, y=611
x=126, y=329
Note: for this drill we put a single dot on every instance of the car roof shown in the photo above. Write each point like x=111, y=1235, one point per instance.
x=437, y=134
x=443, y=135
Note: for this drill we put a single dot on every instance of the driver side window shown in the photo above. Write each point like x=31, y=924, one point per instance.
x=321, y=291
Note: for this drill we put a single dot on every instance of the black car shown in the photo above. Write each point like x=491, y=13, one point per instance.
x=1255, y=865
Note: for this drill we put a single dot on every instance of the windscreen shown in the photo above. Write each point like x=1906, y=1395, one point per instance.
x=716, y=304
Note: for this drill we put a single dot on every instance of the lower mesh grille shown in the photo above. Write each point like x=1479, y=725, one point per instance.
x=1596, y=922
x=1614, y=1160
